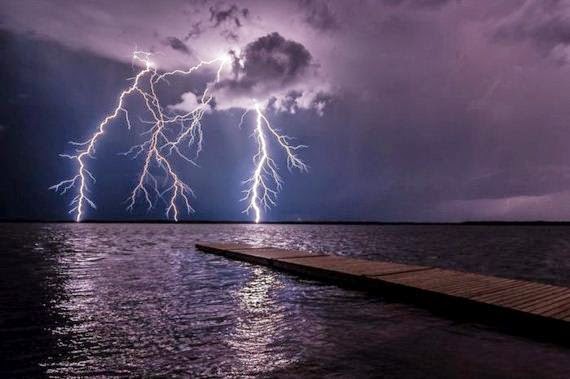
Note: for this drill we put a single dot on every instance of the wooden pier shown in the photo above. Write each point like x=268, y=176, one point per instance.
x=536, y=308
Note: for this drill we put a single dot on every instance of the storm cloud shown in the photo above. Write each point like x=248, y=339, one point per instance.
x=228, y=18
x=429, y=109
x=422, y=4
x=232, y=13
x=177, y=45
x=273, y=70
x=270, y=61
x=545, y=24
x=319, y=15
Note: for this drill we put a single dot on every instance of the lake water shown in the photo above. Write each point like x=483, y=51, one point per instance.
x=138, y=299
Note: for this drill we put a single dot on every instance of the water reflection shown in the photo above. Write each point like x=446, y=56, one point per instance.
x=79, y=261
x=261, y=325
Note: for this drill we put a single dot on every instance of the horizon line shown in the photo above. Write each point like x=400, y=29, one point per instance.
x=290, y=222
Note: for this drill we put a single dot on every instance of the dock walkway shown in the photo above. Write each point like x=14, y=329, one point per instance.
x=524, y=303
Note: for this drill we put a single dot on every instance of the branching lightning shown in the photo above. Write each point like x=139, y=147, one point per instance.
x=157, y=149
x=265, y=182
x=171, y=136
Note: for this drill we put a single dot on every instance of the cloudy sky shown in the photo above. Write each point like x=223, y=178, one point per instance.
x=417, y=110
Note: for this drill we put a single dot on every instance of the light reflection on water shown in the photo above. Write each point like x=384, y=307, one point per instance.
x=135, y=300
x=260, y=324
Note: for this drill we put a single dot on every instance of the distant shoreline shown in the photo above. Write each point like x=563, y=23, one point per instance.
x=465, y=223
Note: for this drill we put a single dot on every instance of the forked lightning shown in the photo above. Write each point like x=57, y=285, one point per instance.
x=178, y=135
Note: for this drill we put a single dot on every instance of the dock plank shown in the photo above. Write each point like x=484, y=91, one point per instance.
x=562, y=313
x=517, y=289
x=253, y=254
x=482, y=289
x=538, y=298
x=276, y=253
x=454, y=283
x=350, y=265
x=532, y=293
x=553, y=302
x=498, y=288
x=223, y=246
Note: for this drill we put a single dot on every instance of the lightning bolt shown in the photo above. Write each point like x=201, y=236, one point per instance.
x=167, y=136
x=157, y=149
x=265, y=183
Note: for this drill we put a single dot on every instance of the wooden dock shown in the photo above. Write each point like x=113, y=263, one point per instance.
x=518, y=304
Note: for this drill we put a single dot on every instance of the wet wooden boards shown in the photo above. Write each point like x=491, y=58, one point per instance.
x=522, y=301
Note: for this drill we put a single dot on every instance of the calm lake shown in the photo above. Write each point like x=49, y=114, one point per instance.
x=139, y=299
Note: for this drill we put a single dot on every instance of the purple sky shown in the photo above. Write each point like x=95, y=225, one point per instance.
x=436, y=110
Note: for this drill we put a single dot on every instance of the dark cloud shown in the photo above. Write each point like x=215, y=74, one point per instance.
x=545, y=24
x=177, y=45
x=430, y=3
x=392, y=2
x=319, y=15
x=226, y=18
x=270, y=60
x=195, y=31
x=232, y=14
x=230, y=35
x=422, y=4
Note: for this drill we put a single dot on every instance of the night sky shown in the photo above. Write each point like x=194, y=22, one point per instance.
x=413, y=110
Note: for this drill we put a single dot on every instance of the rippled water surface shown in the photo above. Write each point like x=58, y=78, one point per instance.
x=138, y=299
